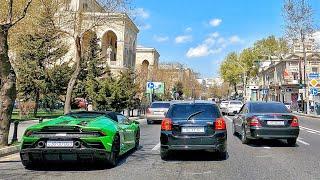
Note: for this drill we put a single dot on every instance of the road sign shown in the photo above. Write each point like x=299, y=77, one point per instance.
x=313, y=82
x=150, y=85
x=264, y=91
x=314, y=91
x=313, y=75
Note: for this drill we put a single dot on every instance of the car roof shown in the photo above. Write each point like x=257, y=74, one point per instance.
x=264, y=102
x=161, y=102
x=204, y=102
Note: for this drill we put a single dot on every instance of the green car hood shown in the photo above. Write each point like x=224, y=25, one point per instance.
x=85, y=123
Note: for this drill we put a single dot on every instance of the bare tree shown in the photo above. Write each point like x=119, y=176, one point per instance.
x=76, y=22
x=8, y=92
x=299, y=25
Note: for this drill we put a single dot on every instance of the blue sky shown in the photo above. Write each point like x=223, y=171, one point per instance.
x=199, y=33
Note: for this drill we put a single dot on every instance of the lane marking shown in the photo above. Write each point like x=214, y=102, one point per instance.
x=228, y=118
x=156, y=148
x=303, y=142
x=266, y=147
x=302, y=127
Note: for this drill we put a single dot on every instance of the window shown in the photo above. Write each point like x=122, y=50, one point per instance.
x=268, y=108
x=295, y=76
x=314, y=69
x=160, y=105
x=203, y=111
x=122, y=119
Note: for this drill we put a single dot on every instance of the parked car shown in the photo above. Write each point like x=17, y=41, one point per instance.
x=80, y=136
x=193, y=126
x=266, y=120
x=157, y=111
x=232, y=107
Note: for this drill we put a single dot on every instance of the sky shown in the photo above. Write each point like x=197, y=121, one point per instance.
x=200, y=33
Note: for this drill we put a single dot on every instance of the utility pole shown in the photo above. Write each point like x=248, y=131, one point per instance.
x=306, y=84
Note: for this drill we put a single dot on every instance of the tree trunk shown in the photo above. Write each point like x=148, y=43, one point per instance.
x=235, y=89
x=35, y=111
x=8, y=92
x=74, y=76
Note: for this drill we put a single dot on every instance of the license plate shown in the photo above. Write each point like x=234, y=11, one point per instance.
x=275, y=123
x=158, y=113
x=60, y=144
x=192, y=130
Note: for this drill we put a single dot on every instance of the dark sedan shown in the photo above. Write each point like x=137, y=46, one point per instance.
x=266, y=120
x=193, y=126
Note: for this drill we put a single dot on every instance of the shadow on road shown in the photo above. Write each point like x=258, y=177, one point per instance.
x=195, y=156
x=267, y=142
x=80, y=166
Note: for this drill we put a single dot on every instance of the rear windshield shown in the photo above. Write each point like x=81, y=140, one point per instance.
x=183, y=111
x=160, y=105
x=269, y=108
x=238, y=103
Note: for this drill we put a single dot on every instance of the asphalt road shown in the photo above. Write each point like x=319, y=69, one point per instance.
x=260, y=160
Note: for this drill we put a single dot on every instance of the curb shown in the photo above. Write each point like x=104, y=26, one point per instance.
x=307, y=115
x=9, y=150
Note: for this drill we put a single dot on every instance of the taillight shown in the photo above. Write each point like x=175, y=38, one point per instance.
x=254, y=122
x=28, y=133
x=220, y=124
x=148, y=111
x=166, y=124
x=295, y=122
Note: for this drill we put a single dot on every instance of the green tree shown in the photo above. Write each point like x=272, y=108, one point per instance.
x=37, y=52
x=230, y=70
x=269, y=47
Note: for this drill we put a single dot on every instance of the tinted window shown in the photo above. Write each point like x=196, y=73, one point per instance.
x=237, y=103
x=160, y=105
x=268, y=108
x=183, y=111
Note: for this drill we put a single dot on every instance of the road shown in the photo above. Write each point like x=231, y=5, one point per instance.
x=260, y=160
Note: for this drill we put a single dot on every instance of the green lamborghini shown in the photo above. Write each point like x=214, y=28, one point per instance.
x=80, y=136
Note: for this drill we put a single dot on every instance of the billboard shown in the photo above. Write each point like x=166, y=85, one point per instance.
x=155, y=87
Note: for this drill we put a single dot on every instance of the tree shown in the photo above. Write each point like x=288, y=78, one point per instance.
x=77, y=24
x=178, y=90
x=39, y=49
x=299, y=25
x=10, y=15
x=230, y=70
x=268, y=47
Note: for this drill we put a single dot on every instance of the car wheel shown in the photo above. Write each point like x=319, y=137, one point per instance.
x=27, y=164
x=222, y=155
x=115, y=150
x=292, y=141
x=149, y=122
x=164, y=154
x=137, y=140
x=234, y=129
x=244, y=138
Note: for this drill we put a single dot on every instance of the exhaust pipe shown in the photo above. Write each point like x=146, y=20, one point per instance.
x=41, y=144
x=77, y=144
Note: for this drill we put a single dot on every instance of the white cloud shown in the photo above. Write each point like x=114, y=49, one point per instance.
x=183, y=39
x=160, y=38
x=221, y=40
x=141, y=13
x=199, y=51
x=234, y=39
x=316, y=36
x=214, y=35
x=188, y=29
x=145, y=27
x=215, y=22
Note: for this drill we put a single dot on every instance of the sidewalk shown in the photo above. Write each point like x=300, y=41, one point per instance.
x=307, y=115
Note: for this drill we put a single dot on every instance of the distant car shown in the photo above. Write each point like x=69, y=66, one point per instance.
x=157, y=111
x=224, y=104
x=266, y=120
x=232, y=107
x=80, y=136
x=193, y=126
x=288, y=105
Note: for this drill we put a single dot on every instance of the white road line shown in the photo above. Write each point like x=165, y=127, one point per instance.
x=303, y=142
x=266, y=147
x=302, y=127
x=156, y=148
x=228, y=118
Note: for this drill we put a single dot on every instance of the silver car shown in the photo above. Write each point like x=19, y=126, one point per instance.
x=232, y=107
x=157, y=111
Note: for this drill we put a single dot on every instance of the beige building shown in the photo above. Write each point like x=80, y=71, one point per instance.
x=147, y=60
x=116, y=31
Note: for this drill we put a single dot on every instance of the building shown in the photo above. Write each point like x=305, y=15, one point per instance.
x=147, y=60
x=116, y=31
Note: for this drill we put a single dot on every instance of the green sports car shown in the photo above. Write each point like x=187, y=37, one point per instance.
x=80, y=136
